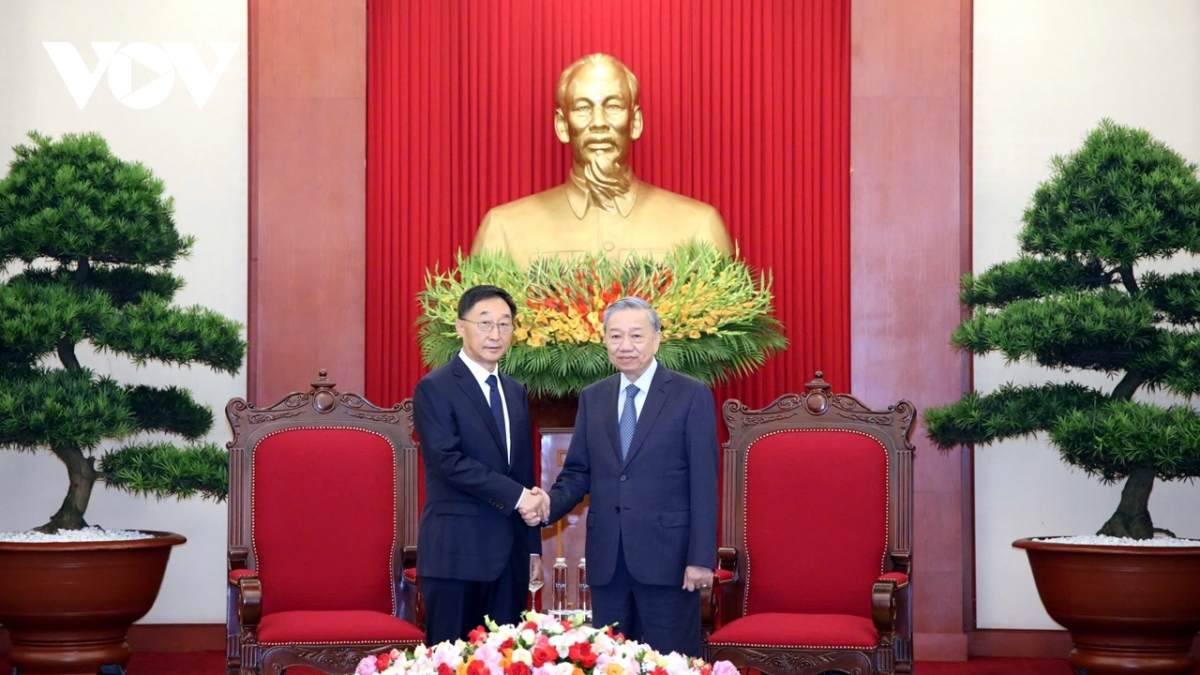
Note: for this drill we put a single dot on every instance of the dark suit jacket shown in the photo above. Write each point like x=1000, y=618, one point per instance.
x=661, y=502
x=470, y=525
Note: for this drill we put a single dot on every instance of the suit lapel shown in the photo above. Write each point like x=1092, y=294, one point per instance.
x=470, y=387
x=609, y=394
x=660, y=388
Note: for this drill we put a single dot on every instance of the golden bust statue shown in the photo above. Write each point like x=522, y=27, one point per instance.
x=601, y=206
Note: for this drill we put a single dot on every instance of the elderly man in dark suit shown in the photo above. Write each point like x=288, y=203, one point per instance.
x=645, y=449
x=476, y=554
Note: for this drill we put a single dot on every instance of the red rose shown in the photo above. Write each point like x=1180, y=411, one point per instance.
x=581, y=653
x=478, y=635
x=382, y=661
x=507, y=644
x=529, y=625
x=517, y=668
x=543, y=655
x=659, y=670
x=444, y=669
x=477, y=667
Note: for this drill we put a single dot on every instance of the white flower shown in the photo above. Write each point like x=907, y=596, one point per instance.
x=522, y=655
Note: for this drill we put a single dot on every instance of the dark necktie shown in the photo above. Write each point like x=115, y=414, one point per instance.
x=628, y=419
x=497, y=408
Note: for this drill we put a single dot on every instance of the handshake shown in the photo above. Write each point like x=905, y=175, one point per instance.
x=534, y=507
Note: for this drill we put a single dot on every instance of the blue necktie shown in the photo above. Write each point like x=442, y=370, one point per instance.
x=497, y=408
x=628, y=419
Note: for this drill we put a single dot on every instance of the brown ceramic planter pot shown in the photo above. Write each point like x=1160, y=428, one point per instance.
x=68, y=606
x=1129, y=609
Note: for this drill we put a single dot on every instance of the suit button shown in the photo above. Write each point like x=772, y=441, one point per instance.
x=623, y=479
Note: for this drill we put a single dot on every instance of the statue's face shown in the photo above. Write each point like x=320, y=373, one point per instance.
x=599, y=120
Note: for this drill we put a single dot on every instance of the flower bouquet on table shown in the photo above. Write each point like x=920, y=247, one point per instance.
x=541, y=645
x=716, y=314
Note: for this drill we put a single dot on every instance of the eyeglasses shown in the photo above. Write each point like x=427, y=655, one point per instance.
x=486, y=326
x=617, y=338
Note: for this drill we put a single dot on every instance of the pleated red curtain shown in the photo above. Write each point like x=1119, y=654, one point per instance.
x=747, y=107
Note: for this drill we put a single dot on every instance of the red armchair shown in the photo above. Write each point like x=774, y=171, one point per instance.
x=815, y=564
x=322, y=526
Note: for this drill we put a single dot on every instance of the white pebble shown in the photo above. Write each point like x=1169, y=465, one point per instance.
x=86, y=534
x=1105, y=540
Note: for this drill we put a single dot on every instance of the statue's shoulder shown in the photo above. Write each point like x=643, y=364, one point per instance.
x=654, y=197
x=537, y=204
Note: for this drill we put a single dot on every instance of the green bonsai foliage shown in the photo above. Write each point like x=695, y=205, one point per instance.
x=87, y=242
x=1079, y=297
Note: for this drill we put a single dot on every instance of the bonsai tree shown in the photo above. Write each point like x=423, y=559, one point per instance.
x=1082, y=296
x=87, y=242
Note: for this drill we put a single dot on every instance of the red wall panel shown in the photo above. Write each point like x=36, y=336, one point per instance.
x=746, y=106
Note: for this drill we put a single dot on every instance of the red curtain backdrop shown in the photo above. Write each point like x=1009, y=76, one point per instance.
x=746, y=104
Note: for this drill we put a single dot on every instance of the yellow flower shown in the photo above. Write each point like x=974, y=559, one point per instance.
x=521, y=334
x=614, y=668
x=693, y=334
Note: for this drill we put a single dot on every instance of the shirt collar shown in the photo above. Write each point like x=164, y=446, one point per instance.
x=480, y=373
x=580, y=201
x=643, y=382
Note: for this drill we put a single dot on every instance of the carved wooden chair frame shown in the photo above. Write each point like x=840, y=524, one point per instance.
x=321, y=406
x=891, y=602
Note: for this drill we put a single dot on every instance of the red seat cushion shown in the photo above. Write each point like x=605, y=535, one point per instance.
x=798, y=630
x=324, y=520
x=353, y=626
x=723, y=576
x=816, y=522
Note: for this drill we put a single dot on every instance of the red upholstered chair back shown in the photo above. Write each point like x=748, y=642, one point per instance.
x=816, y=521
x=324, y=519
x=816, y=504
x=323, y=502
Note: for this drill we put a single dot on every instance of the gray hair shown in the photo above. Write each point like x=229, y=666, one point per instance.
x=598, y=59
x=633, y=302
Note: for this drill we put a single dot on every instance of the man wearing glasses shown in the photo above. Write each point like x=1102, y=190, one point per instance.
x=645, y=448
x=476, y=555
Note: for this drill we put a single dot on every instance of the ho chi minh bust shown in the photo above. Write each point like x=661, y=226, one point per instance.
x=602, y=206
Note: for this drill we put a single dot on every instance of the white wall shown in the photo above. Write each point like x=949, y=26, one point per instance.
x=200, y=154
x=1045, y=73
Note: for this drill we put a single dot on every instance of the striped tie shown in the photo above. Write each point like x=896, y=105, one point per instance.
x=628, y=419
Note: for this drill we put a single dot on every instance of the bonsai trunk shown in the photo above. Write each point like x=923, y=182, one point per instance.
x=1132, y=518
x=82, y=473
x=81, y=470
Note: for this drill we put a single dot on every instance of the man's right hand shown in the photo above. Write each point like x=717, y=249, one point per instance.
x=535, y=507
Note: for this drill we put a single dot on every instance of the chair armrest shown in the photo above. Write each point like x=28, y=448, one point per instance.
x=410, y=605
x=725, y=581
x=235, y=575
x=710, y=607
x=249, y=597
x=727, y=562
x=883, y=600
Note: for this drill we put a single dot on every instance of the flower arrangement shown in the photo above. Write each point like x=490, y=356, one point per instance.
x=715, y=312
x=541, y=645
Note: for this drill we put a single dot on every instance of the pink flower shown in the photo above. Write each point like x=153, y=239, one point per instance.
x=724, y=668
x=366, y=666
